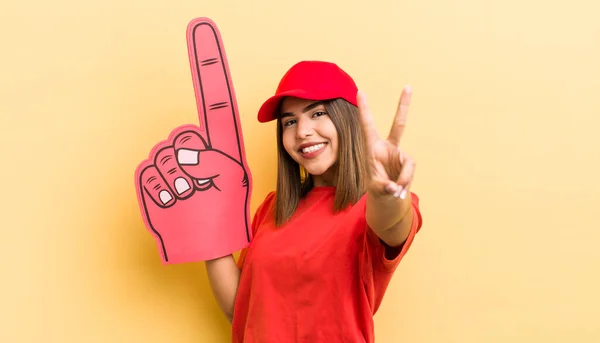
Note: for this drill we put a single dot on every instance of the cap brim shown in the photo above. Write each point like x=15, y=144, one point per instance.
x=268, y=110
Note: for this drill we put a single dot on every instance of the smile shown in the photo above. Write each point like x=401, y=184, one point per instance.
x=313, y=148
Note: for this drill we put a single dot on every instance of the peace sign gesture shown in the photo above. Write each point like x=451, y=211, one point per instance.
x=389, y=169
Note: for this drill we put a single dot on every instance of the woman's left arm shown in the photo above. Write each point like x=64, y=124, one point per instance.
x=390, y=171
x=390, y=218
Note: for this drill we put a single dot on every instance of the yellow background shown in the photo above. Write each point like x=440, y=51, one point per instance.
x=504, y=127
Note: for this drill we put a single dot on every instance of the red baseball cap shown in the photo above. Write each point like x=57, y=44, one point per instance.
x=311, y=80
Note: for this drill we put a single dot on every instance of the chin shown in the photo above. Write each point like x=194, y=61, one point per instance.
x=317, y=169
x=317, y=166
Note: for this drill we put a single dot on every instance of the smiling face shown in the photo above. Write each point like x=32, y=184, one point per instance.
x=338, y=158
x=310, y=138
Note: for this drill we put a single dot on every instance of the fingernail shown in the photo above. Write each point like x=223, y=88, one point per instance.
x=165, y=197
x=403, y=194
x=181, y=185
x=399, y=192
x=390, y=188
x=185, y=156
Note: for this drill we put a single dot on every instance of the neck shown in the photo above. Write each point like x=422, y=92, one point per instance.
x=326, y=179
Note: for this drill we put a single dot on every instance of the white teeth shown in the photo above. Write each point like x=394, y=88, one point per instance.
x=313, y=148
x=201, y=182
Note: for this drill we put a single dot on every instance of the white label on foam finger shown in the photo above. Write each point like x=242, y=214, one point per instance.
x=181, y=185
x=185, y=156
x=165, y=197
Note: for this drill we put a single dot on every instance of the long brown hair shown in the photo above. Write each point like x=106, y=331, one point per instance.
x=293, y=182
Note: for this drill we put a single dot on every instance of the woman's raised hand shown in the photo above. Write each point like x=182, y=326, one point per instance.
x=390, y=170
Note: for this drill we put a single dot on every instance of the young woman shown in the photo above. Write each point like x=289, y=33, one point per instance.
x=328, y=240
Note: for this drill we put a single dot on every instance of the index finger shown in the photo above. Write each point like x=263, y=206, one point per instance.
x=401, y=115
x=215, y=97
x=366, y=119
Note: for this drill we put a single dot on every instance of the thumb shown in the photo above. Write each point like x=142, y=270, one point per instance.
x=204, y=166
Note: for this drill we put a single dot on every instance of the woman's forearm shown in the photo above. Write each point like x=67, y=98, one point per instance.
x=224, y=277
x=390, y=217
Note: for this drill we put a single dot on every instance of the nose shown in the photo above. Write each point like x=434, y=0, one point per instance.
x=305, y=128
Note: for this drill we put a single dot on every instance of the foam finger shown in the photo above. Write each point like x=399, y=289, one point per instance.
x=187, y=145
x=166, y=162
x=157, y=189
x=215, y=96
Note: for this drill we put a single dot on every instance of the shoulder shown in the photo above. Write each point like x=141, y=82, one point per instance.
x=264, y=209
x=267, y=203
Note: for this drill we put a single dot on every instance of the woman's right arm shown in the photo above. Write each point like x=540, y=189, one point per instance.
x=224, y=277
x=224, y=272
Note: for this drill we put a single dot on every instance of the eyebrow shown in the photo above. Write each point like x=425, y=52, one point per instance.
x=305, y=109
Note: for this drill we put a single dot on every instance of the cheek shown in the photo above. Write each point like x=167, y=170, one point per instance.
x=332, y=135
x=335, y=145
x=288, y=141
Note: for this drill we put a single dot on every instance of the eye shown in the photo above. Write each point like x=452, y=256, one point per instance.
x=289, y=122
x=319, y=113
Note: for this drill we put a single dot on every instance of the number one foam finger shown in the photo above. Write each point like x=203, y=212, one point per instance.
x=194, y=188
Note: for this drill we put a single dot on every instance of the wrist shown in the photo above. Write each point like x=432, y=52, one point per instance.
x=386, y=210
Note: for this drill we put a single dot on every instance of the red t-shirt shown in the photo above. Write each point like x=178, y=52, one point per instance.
x=319, y=278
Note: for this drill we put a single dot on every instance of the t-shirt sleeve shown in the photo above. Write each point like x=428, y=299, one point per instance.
x=257, y=219
x=385, y=258
x=379, y=261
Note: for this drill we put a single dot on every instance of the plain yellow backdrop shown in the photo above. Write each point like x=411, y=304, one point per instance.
x=504, y=127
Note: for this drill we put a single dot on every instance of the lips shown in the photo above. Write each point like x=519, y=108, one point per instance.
x=310, y=147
